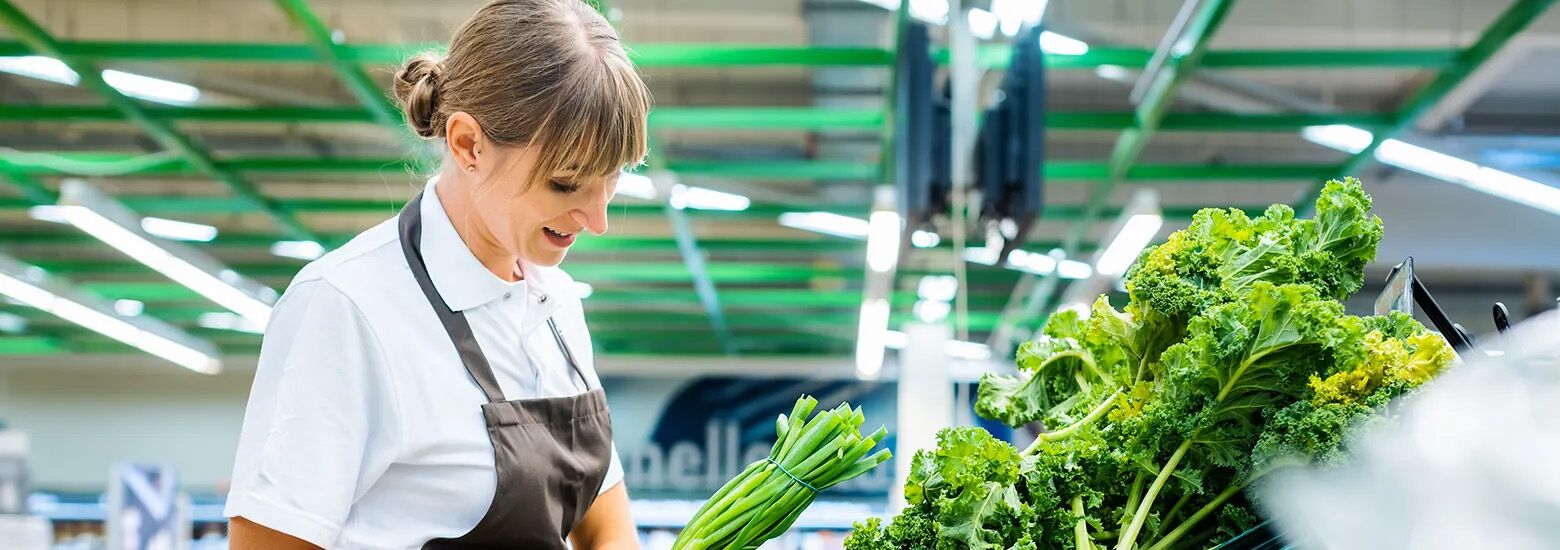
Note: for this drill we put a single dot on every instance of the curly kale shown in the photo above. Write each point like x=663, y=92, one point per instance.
x=1231, y=359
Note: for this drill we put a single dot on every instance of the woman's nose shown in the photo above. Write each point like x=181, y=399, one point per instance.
x=593, y=216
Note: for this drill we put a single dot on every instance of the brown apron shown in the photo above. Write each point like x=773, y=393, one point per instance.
x=551, y=454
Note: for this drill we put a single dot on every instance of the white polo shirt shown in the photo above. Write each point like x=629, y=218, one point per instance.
x=363, y=429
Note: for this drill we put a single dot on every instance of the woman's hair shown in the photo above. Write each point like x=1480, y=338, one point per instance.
x=545, y=72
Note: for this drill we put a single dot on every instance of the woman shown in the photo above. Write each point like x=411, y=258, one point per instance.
x=430, y=383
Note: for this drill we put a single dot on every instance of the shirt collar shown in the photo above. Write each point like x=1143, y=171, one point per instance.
x=462, y=281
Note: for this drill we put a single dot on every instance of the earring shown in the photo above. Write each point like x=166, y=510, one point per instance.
x=471, y=168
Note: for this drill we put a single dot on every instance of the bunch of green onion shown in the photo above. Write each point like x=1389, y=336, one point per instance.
x=766, y=498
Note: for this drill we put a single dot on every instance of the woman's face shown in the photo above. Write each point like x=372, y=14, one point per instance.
x=538, y=224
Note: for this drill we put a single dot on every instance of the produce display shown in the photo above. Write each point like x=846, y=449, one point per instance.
x=1232, y=358
x=765, y=499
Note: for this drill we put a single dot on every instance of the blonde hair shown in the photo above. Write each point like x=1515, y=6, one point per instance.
x=542, y=72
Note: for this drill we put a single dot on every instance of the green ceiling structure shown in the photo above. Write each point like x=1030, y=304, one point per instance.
x=679, y=293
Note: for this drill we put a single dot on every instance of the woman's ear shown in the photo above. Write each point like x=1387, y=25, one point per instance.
x=464, y=139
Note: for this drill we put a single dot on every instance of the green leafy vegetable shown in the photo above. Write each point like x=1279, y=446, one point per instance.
x=1232, y=358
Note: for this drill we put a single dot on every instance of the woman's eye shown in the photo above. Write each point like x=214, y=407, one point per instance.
x=565, y=188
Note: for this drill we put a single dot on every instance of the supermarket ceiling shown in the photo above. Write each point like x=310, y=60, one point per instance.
x=780, y=101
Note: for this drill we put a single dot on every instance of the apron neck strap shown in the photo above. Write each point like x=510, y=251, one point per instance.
x=455, y=323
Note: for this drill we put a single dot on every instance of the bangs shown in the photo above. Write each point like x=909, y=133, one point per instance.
x=598, y=128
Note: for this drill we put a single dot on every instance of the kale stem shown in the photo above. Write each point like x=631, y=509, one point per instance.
x=1081, y=529
x=1132, y=497
x=1174, y=511
x=1197, y=516
x=1064, y=433
x=1129, y=535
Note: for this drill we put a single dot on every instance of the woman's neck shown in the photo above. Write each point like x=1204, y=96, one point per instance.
x=458, y=205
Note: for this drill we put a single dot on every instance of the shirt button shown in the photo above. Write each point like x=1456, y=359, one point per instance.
x=506, y=295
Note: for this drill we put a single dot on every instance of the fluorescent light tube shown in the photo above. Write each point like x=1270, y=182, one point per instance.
x=48, y=213
x=931, y=11
x=1074, y=269
x=1342, y=137
x=939, y=288
x=152, y=89
x=931, y=311
x=178, y=230
x=130, y=84
x=699, y=198
x=129, y=308
x=98, y=215
x=1134, y=236
x=12, y=323
x=634, y=185
x=1015, y=13
x=41, y=68
x=1441, y=166
x=958, y=349
x=883, y=241
x=924, y=239
x=223, y=320
x=1058, y=44
x=298, y=250
x=870, y=338
x=827, y=223
x=983, y=24
x=33, y=287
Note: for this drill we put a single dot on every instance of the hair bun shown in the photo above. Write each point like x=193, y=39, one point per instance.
x=417, y=87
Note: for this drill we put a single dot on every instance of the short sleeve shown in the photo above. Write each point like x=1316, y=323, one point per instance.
x=321, y=425
x=614, y=472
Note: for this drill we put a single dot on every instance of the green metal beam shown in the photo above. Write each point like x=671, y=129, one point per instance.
x=30, y=188
x=1185, y=52
x=1000, y=55
x=1060, y=170
x=643, y=55
x=368, y=93
x=1511, y=22
x=763, y=118
x=1215, y=122
x=41, y=42
x=743, y=118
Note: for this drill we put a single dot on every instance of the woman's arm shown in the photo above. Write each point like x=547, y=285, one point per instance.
x=607, y=525
x=248, y=535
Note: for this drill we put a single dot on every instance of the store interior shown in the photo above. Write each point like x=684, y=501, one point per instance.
x=870, y=202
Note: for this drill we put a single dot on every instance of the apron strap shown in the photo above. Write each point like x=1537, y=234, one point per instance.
x=567, y=355
x=455, y=323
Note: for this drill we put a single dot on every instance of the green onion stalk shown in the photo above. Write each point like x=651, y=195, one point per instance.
x=766, y=498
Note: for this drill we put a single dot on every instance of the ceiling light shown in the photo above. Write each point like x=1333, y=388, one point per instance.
x=11, y=323
x=1343, y=137
x=178, y=230
x=1441, y=166
x=98, y=215
x=929, y=311
x=699, y=198
x=33, y=287
x=1134, y=236
x=1058, y=44
x=1030, y=262
x=883, y=241
x=983, y=24
x=1112, y=72
x=827, y=223
x=223, y=320
x=41, y=68
x=129, y=308
x=130, y=84
x=307, y=251
x=1516, y=188
x=958, y=349
x=938, y=288
x=931, y=11
x=870, y=338
x=1074, y=269
x=634, y=185
x=1015, y=13
x=924, y=239
x=152, y=89
x=48, y=213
